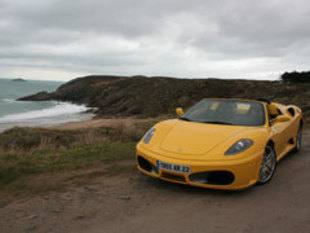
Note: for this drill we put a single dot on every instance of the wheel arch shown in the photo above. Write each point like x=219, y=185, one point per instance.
x=271, y=143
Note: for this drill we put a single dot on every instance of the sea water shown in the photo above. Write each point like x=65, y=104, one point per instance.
x=35, y=113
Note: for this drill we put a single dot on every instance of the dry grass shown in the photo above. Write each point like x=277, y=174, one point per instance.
x=26, y=140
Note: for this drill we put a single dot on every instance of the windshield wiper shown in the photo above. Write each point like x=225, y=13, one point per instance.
x=218, y=122
x=184, y=119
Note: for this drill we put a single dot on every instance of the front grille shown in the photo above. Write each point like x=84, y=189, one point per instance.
x=170, y=176
x=213, y=177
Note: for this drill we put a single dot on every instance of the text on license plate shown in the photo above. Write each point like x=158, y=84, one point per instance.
x=173, y=167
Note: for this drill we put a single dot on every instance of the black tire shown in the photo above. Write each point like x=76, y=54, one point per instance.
x=297, y=148
x=268, y=165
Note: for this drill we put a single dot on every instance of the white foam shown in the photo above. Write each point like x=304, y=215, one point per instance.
x=8, y=100
x=62, y=108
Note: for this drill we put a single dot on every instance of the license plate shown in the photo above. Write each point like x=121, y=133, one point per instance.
x=173, y=167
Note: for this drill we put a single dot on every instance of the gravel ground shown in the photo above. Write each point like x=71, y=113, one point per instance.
x=134, y=203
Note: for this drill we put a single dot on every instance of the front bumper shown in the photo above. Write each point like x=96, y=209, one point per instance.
x=244, y=171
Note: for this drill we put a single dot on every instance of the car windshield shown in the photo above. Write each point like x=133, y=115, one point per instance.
x=228, y=112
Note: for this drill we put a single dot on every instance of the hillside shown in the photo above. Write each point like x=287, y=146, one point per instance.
x=152, y=96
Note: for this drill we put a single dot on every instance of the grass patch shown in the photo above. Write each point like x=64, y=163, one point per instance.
x=37, y=160
x=14, y=165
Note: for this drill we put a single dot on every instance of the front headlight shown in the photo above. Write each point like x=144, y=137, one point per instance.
x=148, y=136
x=239, y=146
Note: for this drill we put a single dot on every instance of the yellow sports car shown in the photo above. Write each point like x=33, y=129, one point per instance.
x=221, y=143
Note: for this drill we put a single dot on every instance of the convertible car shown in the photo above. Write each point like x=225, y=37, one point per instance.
x=221, y=143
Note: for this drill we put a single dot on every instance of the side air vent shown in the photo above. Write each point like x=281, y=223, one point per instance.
x=291, y=111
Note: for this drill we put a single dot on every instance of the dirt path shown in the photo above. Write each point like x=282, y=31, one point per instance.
x=135, y=203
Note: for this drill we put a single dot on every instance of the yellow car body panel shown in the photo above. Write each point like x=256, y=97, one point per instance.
x=201, y=147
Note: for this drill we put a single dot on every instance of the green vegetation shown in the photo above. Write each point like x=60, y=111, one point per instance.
x=27, y=151
x=13, y=165
x=296, y=77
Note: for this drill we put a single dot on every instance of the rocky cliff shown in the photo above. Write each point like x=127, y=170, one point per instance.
x=151, y=96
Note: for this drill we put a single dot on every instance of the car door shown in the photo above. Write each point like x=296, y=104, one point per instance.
x=282, y=132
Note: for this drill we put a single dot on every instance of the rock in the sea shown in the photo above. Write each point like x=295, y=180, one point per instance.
x=18, y=80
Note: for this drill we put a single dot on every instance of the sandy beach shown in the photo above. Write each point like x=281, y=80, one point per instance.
x=96, y=123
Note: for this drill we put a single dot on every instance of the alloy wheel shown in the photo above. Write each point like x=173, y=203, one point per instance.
x=268, y=165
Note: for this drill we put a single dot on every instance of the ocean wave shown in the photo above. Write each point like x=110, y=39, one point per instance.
x=8, y=100
x=61, y=108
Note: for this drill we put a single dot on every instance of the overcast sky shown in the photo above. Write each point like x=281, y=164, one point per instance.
x=63, y=39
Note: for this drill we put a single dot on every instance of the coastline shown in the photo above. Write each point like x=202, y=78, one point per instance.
x=83, y=121
x=48, y=122
x=57, y=115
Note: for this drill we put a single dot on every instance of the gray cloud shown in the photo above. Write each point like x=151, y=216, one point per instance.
x=230, y=39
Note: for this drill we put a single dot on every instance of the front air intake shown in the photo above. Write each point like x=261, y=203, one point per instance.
x=213, y=177
x=146, y=165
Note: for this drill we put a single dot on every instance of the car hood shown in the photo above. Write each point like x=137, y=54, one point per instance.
x=192, y=138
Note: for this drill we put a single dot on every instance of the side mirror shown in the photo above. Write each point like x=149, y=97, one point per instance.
x=272, y=110
x=179, y=112
x=280, y=118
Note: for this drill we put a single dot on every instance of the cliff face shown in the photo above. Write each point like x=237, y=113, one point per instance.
x=146, y=97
